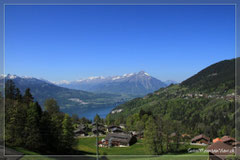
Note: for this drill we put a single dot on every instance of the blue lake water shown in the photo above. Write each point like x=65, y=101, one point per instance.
x=90, y=112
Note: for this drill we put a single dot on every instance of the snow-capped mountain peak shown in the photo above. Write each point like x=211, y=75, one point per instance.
x=143, y=73
x=139, y=83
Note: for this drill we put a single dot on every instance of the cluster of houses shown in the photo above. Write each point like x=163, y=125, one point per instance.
x=115, y=135
x=219, y=148
x=199, y=95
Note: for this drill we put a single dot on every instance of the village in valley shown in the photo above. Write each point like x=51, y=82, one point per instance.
x=219, y=148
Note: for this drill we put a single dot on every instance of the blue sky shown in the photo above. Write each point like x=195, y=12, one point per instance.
x=73, y=42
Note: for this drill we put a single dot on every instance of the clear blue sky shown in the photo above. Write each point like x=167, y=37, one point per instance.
x=72, y=42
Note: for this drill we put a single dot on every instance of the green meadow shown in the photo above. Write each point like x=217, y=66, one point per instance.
x=134, y=152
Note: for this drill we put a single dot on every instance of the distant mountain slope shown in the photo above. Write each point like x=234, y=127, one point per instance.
x=70, y=100
x=218, y=77
x=135, y=84
x=198, y=107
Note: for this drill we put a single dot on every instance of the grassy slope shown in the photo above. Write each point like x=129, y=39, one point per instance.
x=85, y=145
x=133, y=152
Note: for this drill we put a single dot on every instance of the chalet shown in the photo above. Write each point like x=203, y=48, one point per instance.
x=201, y=139
x=117, y=130
x=236, y=144
x=219, y=151
x=120, y=139
x=100, y=131
x=228, y=140
x=113, y=127
x=80, y=132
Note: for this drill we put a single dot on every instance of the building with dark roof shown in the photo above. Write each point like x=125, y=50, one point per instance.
x=201, y=139
x=117, y=130
x=120, y=139
x=80, y=132
x=219, y=151
x=228, y=140
x=113, y=127
x=100, y=130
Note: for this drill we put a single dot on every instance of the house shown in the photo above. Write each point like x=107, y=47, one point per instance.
x=100, y=131
x=80, y=132
x=219, y=151
x=228, y=140
x=236, y=144
x=120, y=139
x=201, y=139
x=113, y=127
x=117, y=130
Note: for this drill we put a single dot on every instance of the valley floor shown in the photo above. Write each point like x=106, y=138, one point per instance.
x=134, y=152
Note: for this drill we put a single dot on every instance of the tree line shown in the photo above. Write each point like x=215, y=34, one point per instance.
x=27, y=125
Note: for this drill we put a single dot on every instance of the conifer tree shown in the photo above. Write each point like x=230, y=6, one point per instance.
x=32, y=126
x=28, y=98
x=10, y=89
x=97, y=118
x=67, y=132
x=18, y=95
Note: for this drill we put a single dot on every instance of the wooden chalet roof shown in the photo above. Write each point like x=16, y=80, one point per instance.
x=101, y=130
x=220, y=148
x=227, y=138
x=199, y=137
x=121, y=137
x=117, y=130
x=113, y=126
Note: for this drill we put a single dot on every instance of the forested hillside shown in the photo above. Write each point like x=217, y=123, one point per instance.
x=28, y=126
x=204, y=103
x=218, y=77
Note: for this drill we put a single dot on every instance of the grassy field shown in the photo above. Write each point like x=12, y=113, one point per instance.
x=89, y=145
x=134, y=152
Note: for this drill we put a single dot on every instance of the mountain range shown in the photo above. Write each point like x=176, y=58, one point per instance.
x=137, y=84
x=101, y=94
x=70, y=100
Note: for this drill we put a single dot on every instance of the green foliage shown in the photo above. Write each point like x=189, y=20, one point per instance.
x=51, y=106
x=97, y=118
x=10, y=90
x=217, y=77
x=29, y=127
x=152, y=138
x=67, y=132
x=28, y=98
x=75, y=118
x=32, y=127
x=233, y=157
x=199, y=105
